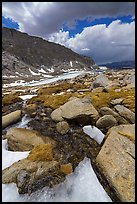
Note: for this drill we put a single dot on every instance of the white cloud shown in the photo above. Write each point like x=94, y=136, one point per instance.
x=44, y=18
x=60, y=37
x=85, y=49
x=105, y=44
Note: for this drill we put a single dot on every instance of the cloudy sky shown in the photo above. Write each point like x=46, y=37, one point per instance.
x=103, y=30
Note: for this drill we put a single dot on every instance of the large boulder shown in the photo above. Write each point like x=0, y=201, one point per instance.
x=105, y=122
x=117, y=160
x=130, y=80
x=126, y=113
x=80, y=110
x=11, y=118
x=21, y=139
x=101, y=81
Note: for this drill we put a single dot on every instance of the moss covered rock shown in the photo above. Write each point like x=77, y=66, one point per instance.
x=66, y=168
x=10, y=99
x=42, y=152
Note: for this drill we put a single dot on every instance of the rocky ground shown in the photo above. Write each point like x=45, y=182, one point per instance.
x=56, y=140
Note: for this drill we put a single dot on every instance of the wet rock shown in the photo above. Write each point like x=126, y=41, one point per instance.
x=62, y=127
x=80, y=110
x=33, y=114
x=21, y=139
x=43, y=114
x=30, y=109
x=117, y=160
x=105, y=122
x=126, y=113
x=11, y=108
x=11, y=118
x=22, y=180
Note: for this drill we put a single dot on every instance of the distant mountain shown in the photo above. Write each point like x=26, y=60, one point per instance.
x=23, y=54
x=120, y=65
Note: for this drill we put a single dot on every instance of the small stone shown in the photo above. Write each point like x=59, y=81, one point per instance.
x=117, y=90
x=105, y=122
x=116, y=101
x=62, y=127
x=43, y=114
x=33, y=114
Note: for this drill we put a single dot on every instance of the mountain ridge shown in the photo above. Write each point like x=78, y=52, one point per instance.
x=40, y=54
x=121, y=64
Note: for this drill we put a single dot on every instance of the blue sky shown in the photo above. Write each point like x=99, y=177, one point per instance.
x=9, y=23
x=86, y=28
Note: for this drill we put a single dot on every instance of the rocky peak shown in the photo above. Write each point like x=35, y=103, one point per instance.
x=39, y=53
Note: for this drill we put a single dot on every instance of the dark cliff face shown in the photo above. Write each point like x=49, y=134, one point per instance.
x=36, y=52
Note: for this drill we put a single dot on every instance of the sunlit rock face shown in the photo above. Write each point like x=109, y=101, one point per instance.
x=117, y=160
x=80, y=110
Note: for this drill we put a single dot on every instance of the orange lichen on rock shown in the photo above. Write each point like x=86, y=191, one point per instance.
x=42, y=152
x=66, y=168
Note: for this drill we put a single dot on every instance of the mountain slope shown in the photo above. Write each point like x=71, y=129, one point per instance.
x=120, y=65
x=40, y=54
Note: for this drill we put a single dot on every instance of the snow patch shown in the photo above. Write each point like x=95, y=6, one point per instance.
x=9, y=157
x=4, y=76
x=50, y=70
x=42, y=70
x=71, y=64
x=25, y=97
x=103, y=67
x=46, y=75
x=33, y=73
x=94, y=133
